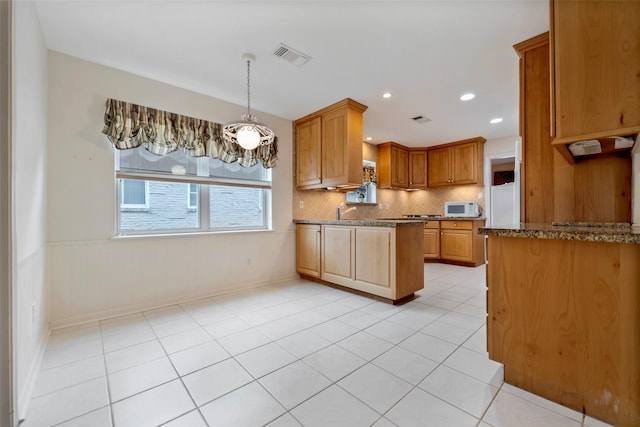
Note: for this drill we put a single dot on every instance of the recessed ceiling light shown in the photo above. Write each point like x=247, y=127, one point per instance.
x=496, y=120
x=368, y=138
x=467, y=96
x=387, y=95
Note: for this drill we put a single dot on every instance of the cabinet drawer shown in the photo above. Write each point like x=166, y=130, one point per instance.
x=432, y=224
x=457, y=225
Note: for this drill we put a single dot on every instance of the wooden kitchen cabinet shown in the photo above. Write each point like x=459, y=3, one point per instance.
x=460, y=242
x=357, y=257
x=329, y=147
x=338, y=250
x=308, y=249
x=393, y=166
x=595, y=64
x=432, y=240
x=457, y=163
x=537, y=170
x=418, y=169
x=593, y=189
x=373, y=256
x=378, y=260
x=309, y=153
x=563, y=320
x=400, y=167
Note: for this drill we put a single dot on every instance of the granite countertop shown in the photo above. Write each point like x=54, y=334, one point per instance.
x=364, y=222
x=617, y=232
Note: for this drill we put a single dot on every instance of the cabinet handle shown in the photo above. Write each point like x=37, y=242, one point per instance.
x=455, y=225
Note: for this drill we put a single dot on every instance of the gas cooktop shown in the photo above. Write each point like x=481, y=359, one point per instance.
x=427, y=216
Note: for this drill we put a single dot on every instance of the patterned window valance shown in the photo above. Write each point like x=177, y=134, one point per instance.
x=129, y=126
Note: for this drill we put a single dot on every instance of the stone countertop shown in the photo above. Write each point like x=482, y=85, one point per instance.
x=590, y=232
x=461, y=218
x=363, y=222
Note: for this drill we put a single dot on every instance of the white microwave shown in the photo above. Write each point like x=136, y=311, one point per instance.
x=461, y=209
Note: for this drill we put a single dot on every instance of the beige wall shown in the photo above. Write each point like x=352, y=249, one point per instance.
x=94, y=275
x=30, y=198
x=322, y=204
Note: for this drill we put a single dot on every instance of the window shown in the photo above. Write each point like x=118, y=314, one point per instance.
x=192, y=197
x=220, y=196
x=134, y=195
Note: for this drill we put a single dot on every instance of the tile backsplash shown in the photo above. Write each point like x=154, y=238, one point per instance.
x=322, y=204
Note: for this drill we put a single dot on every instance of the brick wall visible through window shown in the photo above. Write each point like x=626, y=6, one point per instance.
x=205, y=195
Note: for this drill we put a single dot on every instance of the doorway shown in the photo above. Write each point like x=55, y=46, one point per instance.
x=502, y=184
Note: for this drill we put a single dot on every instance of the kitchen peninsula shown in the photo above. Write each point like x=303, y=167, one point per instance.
x=383, y=258
x=563, y=304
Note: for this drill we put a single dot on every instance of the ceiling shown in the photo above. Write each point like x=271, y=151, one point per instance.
x=427, y=53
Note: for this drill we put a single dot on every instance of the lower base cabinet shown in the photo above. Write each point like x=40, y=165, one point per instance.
x=382, y=261
x=308, y=249
x=432, y=240
x=454, y=241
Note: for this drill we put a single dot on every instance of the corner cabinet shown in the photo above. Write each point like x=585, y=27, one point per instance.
x=454, y=241
x=400, y=167
x=329, y=147
x=457, y=163
x=595, y=66
x=418, y=169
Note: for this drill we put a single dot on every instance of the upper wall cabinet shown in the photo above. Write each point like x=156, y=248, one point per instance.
x=329, y=147
x=457, y=163
x=393, y=166
x=418, y=168
x=401, y=167
x=595, y=64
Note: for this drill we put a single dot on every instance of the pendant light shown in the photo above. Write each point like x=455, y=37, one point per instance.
x=248, y=132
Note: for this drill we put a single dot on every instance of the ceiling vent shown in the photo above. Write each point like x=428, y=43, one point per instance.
x=421, y=119
x=291, y=55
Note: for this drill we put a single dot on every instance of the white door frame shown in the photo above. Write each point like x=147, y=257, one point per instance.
x=8, y=400
x=488, y=179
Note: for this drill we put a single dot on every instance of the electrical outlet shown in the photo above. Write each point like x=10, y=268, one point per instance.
x=379, y=205
x=301, y=204
x=480, y=195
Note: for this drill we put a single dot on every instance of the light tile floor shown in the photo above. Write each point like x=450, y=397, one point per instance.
x=292, y=354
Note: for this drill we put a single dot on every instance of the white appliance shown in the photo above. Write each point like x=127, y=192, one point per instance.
x=461, y=209
x=503, y=202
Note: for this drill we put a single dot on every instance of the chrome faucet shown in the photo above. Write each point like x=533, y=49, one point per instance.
x=340, y=211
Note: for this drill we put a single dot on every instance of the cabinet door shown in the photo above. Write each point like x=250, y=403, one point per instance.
x=456, y=245
x=373, y=256
x=308, y=153
x=399, y=167
x=338, y=250
x=431, y=243
x=465, y=163
x=596, y=54
x=335, y=154
x=308, y=249
x=418, y=169
x=438, y=167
